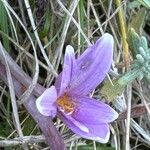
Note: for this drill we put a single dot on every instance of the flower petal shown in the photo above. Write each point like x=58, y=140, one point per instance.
x=100, y=133
x=93, y=66
x=63, y=80
x=92, y=111
x=46, y=102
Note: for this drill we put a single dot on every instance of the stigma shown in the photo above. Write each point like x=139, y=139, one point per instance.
x=66, y=104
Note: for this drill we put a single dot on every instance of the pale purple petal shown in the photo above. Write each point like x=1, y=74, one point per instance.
x=93, y=66
x=46, y=102
x=100, y=133
x=63, y=80
x=92, y=111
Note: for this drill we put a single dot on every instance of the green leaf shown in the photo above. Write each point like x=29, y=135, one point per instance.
x=143, y=42
x=110, y=92
x=4, y=25
x=83, y=20
x=44, y=31
x=145, y=3
x=147, y=77
x=137, y=21
x=134, y=4
x=130, y=76
x=134, y=42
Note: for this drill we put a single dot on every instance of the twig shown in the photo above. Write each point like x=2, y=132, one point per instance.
x=32, y=139
x=18, y=141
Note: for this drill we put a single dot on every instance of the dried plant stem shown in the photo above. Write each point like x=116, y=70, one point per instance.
x=109, y=22
x=74, y=21
x=96, y=17
x=136, y=112
x=23, y=51
x=22, y=12
x=59, y=49
x=129, y=93
x=37, y=37
x=31, y=140
x=13, y=98
x=19, y=74
x=32, y=84
x=45, y=123
x=123, y=32
x=65, y=28
x=26, y=139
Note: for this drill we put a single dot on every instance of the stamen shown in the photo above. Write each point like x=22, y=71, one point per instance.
x=66, y=104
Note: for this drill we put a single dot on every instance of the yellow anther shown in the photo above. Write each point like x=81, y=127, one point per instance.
x=66, y=104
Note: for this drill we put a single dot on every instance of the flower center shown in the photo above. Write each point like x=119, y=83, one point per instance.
x=66, y=104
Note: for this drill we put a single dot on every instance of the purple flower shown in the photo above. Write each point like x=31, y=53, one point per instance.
x=69, y=98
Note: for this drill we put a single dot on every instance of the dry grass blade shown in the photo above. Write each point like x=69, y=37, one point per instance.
x=35, y=77
x=129, y=91
x=75, y=22
x=59, y=49
x=96, y=17
x=47, y=127
x=13, y=98
x=37, y=37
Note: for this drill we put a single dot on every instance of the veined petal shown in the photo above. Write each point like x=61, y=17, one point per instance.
x=99, y=133
x=63, y=80
x=46, y=102
x=92, y=111
x=81, y=126
x=93, y=66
